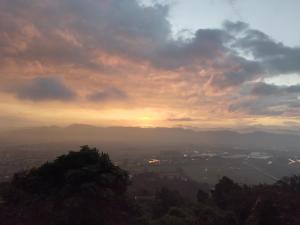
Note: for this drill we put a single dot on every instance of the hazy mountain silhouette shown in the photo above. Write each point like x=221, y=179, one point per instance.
x=79, y=133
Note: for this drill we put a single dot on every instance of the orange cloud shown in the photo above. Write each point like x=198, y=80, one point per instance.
x=121, y=62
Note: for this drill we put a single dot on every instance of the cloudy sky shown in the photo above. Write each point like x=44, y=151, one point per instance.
x=189, y=63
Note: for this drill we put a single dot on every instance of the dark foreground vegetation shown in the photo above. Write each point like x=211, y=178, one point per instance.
x=86, y=188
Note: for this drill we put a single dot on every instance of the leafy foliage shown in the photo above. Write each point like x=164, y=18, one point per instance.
x=85, y=187
x=77, y=188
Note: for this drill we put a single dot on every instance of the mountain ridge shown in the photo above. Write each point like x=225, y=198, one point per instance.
x=83, y=133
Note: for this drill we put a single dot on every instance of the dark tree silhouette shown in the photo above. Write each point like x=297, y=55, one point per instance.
x=85, y=187
x=82, y=187
x=165, y=199
x=202, y=196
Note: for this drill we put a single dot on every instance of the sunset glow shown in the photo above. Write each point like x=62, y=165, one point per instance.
x=132, y=63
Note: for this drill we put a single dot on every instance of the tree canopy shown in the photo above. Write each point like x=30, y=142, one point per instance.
x=85, y=187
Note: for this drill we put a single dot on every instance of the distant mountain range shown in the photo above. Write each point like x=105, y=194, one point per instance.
x=86, y=134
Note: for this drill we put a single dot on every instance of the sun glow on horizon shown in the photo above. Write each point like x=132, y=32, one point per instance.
x=121, y=67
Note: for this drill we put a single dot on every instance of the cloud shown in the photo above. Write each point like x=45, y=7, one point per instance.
x=238, y=72
x=108, y=94
x=81, y=34
x=274, y=56
x=113, y=41
x=268, y=99
x=76, y=32
x=259, y=107
x=182, y=119
x=205, y=46
x=235, y=27
x=263, y=89
x=44, y=89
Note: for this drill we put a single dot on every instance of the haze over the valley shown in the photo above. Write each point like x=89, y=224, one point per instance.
x=143, y=137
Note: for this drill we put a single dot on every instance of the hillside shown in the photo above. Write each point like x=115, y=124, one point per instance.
x=150, y=136
x=85, y=187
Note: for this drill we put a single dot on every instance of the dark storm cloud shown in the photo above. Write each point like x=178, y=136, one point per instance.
x=108, y=94
x=44, y=89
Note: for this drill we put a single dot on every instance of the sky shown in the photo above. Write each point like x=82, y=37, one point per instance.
x=209, y=64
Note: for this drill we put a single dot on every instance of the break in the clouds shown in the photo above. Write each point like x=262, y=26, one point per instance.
x=105, y=47
x=44, y=89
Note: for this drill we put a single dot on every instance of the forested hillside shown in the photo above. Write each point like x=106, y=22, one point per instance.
x=85, y=187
